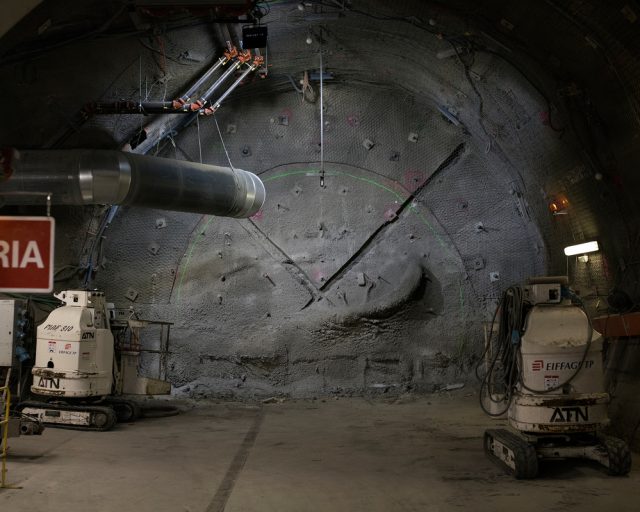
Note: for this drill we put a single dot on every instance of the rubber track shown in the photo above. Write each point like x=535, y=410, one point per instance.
x=111, y=415
x=526, y=459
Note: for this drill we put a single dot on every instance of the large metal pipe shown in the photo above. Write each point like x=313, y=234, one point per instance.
x=80, y=177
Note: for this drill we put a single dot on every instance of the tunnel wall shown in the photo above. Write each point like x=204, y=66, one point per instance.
x=623, y=382
x=378, y=280
x=413, y=321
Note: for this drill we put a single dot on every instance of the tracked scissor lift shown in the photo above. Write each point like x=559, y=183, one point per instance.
x=74, y=368
x=555, y=398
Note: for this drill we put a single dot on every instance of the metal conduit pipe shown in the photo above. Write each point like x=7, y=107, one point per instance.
x=82, y=177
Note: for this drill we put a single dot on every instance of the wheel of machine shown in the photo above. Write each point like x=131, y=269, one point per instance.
x=30, y=427
x=103, y=419
x=100, y=419
x=619, y=456
x=126, y=410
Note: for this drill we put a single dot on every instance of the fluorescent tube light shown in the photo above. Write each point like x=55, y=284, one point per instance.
x=572, y=250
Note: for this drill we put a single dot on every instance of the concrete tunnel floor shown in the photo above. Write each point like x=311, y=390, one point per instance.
x=349, y=454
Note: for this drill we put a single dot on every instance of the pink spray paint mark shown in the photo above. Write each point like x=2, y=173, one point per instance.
x=391, y=211
x=318, y=275
x=545, y=118
x=258, y=215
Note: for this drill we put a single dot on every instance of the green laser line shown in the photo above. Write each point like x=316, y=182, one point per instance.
x=337, y=173
x=377, y=184
x=307, y=172
x=186, y=264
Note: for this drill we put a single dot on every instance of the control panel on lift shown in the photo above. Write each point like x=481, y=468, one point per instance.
x=544, y=290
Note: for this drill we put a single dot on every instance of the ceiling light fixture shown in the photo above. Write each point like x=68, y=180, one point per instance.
x=584, y=248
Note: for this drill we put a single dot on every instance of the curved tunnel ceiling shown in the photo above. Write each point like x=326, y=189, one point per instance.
x=448, y=131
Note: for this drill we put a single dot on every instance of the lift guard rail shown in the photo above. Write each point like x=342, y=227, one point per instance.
x=4, y=423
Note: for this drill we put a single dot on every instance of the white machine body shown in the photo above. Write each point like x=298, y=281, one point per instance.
x=74, y=352
x=555, y=346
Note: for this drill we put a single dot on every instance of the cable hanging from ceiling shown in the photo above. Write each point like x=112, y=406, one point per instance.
x=321, y=113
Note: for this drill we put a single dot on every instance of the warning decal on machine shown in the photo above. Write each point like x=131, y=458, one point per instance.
x=551, y=381
x=52, y=346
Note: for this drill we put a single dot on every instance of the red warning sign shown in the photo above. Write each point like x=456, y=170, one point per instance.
x=26, y=254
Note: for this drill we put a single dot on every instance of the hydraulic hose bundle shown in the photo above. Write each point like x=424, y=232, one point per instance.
x=502, y=373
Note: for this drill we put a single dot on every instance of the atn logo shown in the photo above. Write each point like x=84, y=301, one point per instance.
x=537, y=365
x=67, y=346
x=570, y=414
x=46, y=382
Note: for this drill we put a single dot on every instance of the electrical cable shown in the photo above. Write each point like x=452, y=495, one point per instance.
x=538, y=89
x=294, y=83
x=199, y=141
x=96, y=246
x=485, y=380
x=19, y=56
x=467, y=75
x=502, y=367
x=321, y=116
x=90, y=265
x=224, y=146
x=412, y=20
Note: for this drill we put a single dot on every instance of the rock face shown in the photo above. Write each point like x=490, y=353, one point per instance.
x=375, y=280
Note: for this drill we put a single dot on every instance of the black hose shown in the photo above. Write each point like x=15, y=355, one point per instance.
x=158, y=410
x=501, y=377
